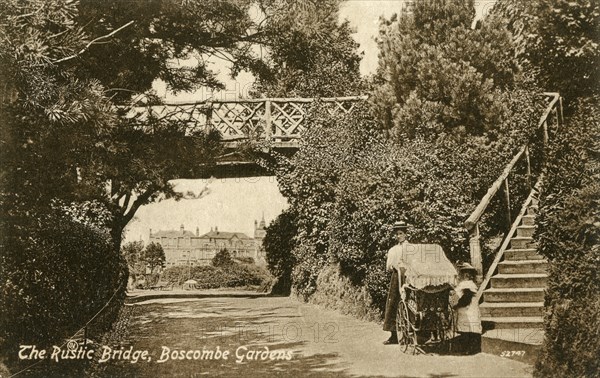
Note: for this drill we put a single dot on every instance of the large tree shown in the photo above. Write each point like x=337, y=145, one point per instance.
x=72, y=72
x=67, y=64
x=437, y=75
x=559, y=39
x=311, y=53
x=154, y=256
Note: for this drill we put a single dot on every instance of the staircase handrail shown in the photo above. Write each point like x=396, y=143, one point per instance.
x=472, y=223
x=504, y=246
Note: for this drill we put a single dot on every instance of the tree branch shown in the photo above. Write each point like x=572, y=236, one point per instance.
x=93, y=42
x=126, y=202
x=139, y=201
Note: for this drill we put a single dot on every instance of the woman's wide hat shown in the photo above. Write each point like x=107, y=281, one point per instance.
x=400, y=225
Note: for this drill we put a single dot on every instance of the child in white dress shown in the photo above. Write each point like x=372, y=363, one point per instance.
x=468, y=318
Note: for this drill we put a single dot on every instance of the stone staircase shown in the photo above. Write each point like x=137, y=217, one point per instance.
x=512, y=307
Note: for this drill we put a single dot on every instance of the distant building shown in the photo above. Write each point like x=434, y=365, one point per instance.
x=186, y=248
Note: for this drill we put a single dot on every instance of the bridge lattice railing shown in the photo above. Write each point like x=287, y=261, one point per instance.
x=280, y=120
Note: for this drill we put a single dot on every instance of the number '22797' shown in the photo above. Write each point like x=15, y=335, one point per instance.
x=512, y=353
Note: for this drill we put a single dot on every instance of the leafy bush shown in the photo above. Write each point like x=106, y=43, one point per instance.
x=211, y=277
x=57, y=273
x=348, y=183
x=437, y=74
x=559, y=39
x=222, y=259
x=279, y=244
x=569, y=235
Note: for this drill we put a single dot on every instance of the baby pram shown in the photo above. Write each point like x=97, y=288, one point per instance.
x=424, y=312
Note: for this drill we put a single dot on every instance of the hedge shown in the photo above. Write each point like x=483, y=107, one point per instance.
x=569, y=235
x=211, y=277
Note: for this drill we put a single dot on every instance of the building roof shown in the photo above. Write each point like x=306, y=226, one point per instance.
x=172, y=234
x=224, y=235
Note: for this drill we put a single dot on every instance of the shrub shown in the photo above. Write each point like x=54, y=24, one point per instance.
x=222, y=259
x=57, y=273
x=212, y=277
x=348, y=183
x=279, y=244
x=569, y=235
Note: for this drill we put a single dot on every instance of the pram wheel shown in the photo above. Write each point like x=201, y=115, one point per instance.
x=407, y=335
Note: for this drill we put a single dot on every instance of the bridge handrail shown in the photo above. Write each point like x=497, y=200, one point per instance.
x=277, y=120
x=264, y=99
x=472, y=223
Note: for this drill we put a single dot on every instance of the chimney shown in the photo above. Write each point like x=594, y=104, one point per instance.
x=181, y=228
x=216, y=229
x=150, y=233
x=197, y=231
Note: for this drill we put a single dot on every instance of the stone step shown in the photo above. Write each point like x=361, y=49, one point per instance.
x=511, y=309
x=519, y=344
x=522, y=242
x=519, y=280
x=522, y=266
x=532, y=210
x=530, y=294
x=501, y=322
x=528, y=220
x=522, y=254
x=525, y=231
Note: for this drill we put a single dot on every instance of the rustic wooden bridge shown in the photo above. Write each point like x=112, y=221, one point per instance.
x=278, y=121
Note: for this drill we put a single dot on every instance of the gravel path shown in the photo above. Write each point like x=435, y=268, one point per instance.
x=270, y=336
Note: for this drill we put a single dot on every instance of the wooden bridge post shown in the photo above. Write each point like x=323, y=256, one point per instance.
x=268, y=120
x=475, y=250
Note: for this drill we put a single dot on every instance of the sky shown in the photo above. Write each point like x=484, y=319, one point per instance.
x=234, y=204
x=364, y=18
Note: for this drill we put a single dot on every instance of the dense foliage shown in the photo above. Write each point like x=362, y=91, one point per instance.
x=279, y=244
x=58, y=275
x=70, y=70
x=142, y=260
x=312, y=54
x=447, y=94
x=438, y=75
x=222, y=259
x=133, y=253
x=349, y=183
x=569, y=235
x=212, y=277
x=559, y=39
x=154, y=257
